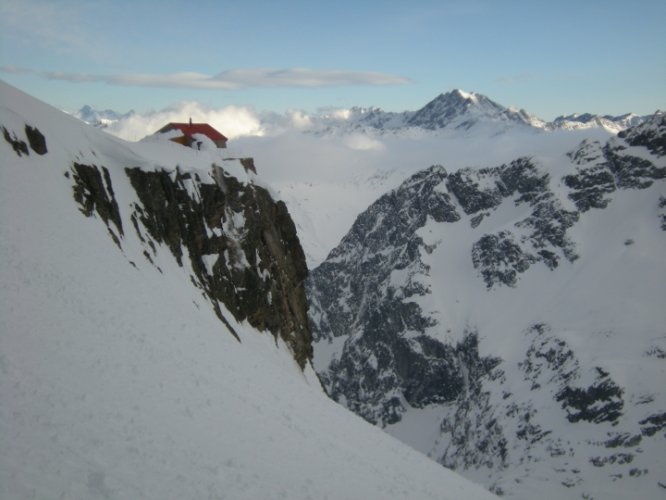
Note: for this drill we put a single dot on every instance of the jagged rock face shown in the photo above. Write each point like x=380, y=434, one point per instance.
x=392, y=339
x=500, y=257
x=242, y=246
x=400, y=214
x=352, y=291
x=651, y=134
x=603, y=169
x=93, y=191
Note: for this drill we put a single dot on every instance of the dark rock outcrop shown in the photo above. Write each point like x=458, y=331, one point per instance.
x=653, y=424
x=370, y=251
x=94, y=194
x=36, y=140
x=19, y=146
x=600, y=402
x=604, y=169
x=380, y=372
x=500, y=259
x=240, y=244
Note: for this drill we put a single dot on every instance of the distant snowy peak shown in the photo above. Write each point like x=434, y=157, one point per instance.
x=100, y=118
x=462, y=110
x=454, y=110
x=358, y=118
x=459, y=110
x=613, y=124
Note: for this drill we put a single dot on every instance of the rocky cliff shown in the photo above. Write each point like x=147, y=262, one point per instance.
x=238, y=245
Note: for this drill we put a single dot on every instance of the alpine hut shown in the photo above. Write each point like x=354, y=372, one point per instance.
x=189, y=132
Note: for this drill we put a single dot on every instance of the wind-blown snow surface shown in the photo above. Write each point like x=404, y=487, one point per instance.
x=117, y=381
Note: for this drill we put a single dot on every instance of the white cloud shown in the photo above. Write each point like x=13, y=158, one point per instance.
x=341, y=114
x=363, y=142
x=232, y=121
x=303, y=77
x=300, y=120
x=229, y=79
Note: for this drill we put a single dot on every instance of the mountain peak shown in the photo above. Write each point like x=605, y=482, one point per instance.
x=461, y=94
x=99, y=118
x=459, y=109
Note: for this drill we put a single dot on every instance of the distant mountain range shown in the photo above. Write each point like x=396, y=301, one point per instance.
x=100, y=118
x=460, y=110
x=586, y=120
x=454, y=110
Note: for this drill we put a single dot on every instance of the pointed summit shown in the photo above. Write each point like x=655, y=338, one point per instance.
x=459, y=109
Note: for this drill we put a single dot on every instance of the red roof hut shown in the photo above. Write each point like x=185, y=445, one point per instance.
x=189, y=129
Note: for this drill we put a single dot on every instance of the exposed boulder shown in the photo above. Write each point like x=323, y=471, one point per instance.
x=36, y=140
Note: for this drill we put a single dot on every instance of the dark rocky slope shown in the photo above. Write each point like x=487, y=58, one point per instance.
x=394, y=337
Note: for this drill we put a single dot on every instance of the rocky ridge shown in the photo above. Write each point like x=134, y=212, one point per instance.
x=388, y=346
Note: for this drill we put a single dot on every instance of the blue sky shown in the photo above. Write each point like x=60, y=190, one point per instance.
x=549, y=57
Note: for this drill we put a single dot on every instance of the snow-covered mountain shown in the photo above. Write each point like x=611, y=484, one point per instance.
x=508, y=321
x=462, y=110
x=153, y=337
x=456, y=110
x=101, y=118
x=613, y=124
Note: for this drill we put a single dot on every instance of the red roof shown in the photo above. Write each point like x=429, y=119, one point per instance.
x=195, y=128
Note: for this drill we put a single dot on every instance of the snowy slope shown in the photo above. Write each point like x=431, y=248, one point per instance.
x=118, y=380
x=508, y=321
